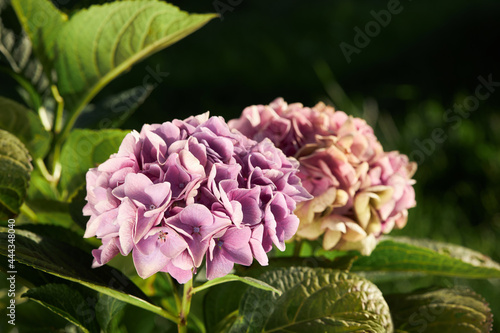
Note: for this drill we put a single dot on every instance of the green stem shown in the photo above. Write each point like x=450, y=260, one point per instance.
x=297, y=248
x=185, y=306
x=28, y=212
x=57, y=143
x=58, y=121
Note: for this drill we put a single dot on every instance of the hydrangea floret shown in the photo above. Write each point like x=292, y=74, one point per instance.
x=186, y=191
x=360, y=192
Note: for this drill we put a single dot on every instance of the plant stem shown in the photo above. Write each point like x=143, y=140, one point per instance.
x=58, y=120
x=297, y=248
x=185, y=306
x=28, y=212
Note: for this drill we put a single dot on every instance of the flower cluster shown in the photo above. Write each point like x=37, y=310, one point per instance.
x=182, y=191
x=359, y=190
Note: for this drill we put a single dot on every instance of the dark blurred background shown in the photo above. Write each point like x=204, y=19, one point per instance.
x=405, y=80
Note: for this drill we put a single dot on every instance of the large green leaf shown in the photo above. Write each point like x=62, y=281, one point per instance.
x=69, y=303
x=83, y=150
x=15, y=169
x=70, y=263
x=429, y=257
x=313, y=300
x=26, y=125
x=94, y=46
x=454, y=310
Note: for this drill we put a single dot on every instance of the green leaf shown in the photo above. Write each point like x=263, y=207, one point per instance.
x=94, y=46
x=314, y=300
x=220, y=306
x=109, y=313
x=34, y=318
x=49, y=212
x=15, y=169
x=59, y=234
x=83, y=150
x=67, y=302
x=70, y=263
x=231, y=277
x=40, y=187
x=114, y=110
x=24, y=67
x=26, y=125
x=455, y=310
x=429, y=257
x=42, y=22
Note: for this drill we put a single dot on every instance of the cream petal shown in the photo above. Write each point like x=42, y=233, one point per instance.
x=310, y=231
x=331, y=239
x=365, y=246
x=354, y=232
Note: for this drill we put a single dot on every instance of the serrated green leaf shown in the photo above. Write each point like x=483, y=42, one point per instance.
x=454, y=310
x=428, y=257
x=67, y=302
x=83, y=150
x=95, y=45
x=26, y=126
x=70, y=263
x=314, y=300
x=15, y=169
x=114, y=110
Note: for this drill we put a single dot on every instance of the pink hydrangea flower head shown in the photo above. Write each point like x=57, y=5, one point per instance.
x=184, y=191
x=360, y=192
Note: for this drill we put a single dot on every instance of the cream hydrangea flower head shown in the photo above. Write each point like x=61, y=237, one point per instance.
x=360, y=192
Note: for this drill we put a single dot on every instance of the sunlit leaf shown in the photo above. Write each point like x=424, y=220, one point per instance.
x=15, y=169
x=429, y=257
x=83, y=150
x=314, y=300
x=454, y=310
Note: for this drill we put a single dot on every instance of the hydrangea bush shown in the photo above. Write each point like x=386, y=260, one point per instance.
x=360, y=192
x=288, y=202
x=182, y=191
